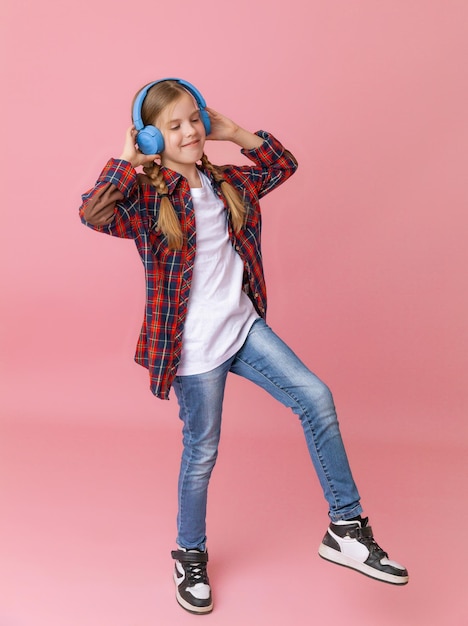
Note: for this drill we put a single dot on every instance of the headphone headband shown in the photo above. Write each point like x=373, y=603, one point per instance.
x=149, y=138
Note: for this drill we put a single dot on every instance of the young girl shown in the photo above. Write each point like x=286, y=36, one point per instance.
x=197, y=229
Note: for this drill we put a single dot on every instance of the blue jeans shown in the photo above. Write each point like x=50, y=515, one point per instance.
x=267, y=361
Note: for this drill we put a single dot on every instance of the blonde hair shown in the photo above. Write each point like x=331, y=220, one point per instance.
x=157, y=99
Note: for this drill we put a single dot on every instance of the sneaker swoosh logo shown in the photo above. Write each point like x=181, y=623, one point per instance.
x=180, y=571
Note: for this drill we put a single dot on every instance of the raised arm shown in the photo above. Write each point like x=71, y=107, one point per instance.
x=109, y=206
x=273, y=163
x=224, y=129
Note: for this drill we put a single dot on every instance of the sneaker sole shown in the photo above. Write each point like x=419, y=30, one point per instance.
x=196, y=610
x=329, y=554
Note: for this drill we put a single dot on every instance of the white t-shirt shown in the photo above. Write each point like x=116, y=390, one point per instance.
x=220, y=313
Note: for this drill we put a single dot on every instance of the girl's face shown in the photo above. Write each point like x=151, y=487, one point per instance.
x=184, y=134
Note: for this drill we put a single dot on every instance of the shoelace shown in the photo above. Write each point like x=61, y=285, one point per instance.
x=364, y=535
x=196, y=573
x=374, y=547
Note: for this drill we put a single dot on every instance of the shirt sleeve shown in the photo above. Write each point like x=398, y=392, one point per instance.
x=111, y=206
x=274, y=164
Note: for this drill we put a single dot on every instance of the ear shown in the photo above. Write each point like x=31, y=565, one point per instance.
x=150, y=140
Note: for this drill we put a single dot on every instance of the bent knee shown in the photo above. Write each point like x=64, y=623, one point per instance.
x=201, y=457
x=321, y=394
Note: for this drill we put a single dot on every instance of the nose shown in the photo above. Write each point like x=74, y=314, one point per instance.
x=189, y=129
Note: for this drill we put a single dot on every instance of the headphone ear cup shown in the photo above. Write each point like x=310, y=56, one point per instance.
x=150, y=140
x=206, y=121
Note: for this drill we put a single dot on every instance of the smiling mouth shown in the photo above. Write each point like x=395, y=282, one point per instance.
x=192, y=143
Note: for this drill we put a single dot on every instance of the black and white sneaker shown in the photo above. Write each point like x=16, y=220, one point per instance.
x=191, y=579
x=352, y=544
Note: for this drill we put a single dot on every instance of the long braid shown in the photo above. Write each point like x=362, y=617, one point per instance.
x=235, y=204
x=168, y=222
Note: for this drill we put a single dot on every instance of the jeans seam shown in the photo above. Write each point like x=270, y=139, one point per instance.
x=187, y=464
x=188, y=461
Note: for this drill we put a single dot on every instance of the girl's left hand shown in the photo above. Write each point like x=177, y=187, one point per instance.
x=222, y=128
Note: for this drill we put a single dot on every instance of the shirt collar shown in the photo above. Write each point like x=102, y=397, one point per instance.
x=172, y=178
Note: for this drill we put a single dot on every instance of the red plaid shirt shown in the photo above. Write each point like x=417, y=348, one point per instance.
x=126, y=205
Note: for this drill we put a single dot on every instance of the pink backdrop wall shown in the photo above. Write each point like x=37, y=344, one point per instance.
x=370, y=96
x=371, y=289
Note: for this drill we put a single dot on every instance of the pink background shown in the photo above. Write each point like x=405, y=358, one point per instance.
x=371, y=291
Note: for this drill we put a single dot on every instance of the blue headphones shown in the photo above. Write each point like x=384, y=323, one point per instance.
x=149, y=138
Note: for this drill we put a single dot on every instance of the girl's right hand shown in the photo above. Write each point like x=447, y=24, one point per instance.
x=130, y=151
